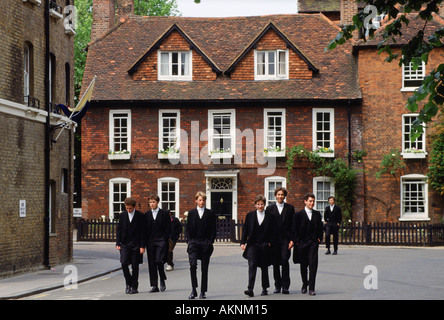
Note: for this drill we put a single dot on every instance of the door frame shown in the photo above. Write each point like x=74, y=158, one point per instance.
x=233, y=174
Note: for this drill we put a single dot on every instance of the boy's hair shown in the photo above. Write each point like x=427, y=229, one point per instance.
x=280, y=189
x=200, y=194
x=309, y=195
x=331, y=197
x=154, y=197
x=130, y=202
x=260, y=198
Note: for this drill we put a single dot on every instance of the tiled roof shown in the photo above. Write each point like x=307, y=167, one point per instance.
x=222, y=40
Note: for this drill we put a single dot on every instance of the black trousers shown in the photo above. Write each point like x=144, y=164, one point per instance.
x=257, y=258
x=281, y=256
x=199, y=251
x=331, y=229
x=308, y=254
x=130, y=256
x=157, y=251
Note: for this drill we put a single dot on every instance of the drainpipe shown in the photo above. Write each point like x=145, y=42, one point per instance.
x=349, y=133
x=47, y=139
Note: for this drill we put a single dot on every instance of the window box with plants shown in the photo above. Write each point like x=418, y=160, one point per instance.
x=274, y=152
x=119, y=155
x=414, y=153
x=221, y=153
x=324, y=152
x=168, y=153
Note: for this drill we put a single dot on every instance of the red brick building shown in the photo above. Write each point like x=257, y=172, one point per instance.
x=213, y=104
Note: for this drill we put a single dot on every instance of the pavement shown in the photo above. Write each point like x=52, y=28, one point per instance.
x=398, y=273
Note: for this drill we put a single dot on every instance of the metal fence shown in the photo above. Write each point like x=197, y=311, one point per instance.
x=374, y=233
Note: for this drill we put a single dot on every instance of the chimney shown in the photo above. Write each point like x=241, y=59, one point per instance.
x=104, y=17
x=348, y=9
x=124, y=9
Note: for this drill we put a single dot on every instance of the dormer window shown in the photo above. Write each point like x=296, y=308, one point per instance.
x=271, y=65
x=175, y=65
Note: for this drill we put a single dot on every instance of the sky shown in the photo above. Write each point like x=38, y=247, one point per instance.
x=232, y=8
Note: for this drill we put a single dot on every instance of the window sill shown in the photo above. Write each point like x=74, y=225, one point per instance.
x=418, y=155
x=34, y=2
x=168, y=156
x=123, y=156
x=409, y=89
x=222, y=155
x=279, y=154
x=54, y=14
x=414, y=218
x=69, y=30
x=326, y=154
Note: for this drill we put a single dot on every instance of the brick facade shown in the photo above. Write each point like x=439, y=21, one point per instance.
x=22, y=128
x=360, y=90
x=382, y=131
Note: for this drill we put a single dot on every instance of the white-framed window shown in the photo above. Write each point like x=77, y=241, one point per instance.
x=411, y=78
x=324, y=131
x=322, y=189
x=168, y=191
x=169, y=131
x=412, y=149
x=274, y=132
x=271, y=183
x=119, y=190
x=414, y=198
x=270, y=64
x=175, y=65
x=119, y=134
x=26, y=72
x=221, y=133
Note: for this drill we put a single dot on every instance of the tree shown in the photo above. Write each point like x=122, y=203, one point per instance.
x=418, y=48
x=83, y=31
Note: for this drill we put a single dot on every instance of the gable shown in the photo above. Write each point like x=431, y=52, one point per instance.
x=174, y=39
x=271, y=38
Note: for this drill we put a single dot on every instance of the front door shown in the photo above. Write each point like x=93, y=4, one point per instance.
x=222, y=204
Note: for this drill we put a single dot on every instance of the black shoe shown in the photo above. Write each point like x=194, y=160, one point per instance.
x=133, y=291
x=127, y=289
x=285, y=291
x=304, y=289
x=312, y=293
x=202, y=295
x=328, y=251
x=193, y=294
x=162, y=285
x=277, y=290
x=249, y=293
x=335, y=253
x=154, y=289
x=264, y=292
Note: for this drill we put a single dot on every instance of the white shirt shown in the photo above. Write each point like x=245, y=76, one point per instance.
x=280, y=207
x=309, y=213
x=260, y=216
x=331, y=208
x=131, y=215
x=155, y=212
x=200, y=211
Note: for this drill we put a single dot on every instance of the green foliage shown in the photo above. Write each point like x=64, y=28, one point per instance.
x=391, y=163
x=435, y=173
x=342, y=176
x=416, y=50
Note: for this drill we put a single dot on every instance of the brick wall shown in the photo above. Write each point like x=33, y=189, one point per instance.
x=22, y=146
x=383, y=107
x=144, y=168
